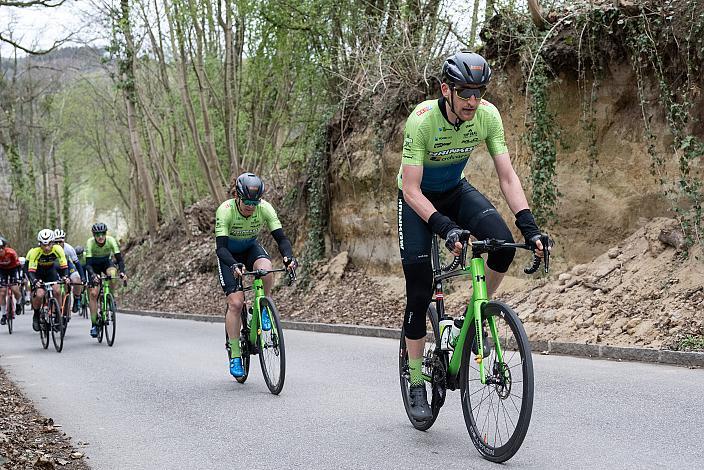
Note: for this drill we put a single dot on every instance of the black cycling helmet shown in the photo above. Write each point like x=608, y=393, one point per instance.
x=466, y=68
x=79, y=250
x=249, y=186
x=99, y=227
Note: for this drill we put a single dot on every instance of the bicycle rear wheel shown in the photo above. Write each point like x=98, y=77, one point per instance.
x=272, y=354
x=429, y=365
x=497, y=413
x=10, y=311
x=44, y=326
x=57, y=325
x=109, y=324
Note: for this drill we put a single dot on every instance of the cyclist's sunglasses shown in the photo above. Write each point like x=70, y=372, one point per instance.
x=467, y=93
x=251, y=202
x=100, y=234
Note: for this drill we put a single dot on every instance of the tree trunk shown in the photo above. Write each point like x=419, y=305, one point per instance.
x=128, y=69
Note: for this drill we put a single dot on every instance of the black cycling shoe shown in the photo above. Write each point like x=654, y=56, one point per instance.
x=35, y=322
x=74, y=308
x=3, y=320
x=418, y=400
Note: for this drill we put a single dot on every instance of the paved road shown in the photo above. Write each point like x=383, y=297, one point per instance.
x=162, y=399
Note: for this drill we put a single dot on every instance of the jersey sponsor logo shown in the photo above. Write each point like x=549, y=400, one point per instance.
x=423, y=110
x=441, y=144
x=469, y=141
x=444, y=129
x=443, y=137
x=407, y=142
x=442, y=153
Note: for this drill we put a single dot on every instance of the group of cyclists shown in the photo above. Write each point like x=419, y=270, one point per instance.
x=434, y=197
x=52, y=260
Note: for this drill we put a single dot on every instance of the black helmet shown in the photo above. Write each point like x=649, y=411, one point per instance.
x=99, y=227
x=79, y=250
x=466, y=68
x=249, y=186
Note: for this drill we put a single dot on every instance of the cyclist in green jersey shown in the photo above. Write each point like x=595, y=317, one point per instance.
x=435, y=197
x=238, y=221
x=99, y=250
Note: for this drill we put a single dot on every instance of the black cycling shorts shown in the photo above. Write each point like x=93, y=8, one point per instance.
x=47, y=274
x=465, y=206
x=228, y=281
x=10, y=275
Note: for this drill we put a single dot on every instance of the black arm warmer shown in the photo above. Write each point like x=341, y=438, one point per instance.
x=89, y=268
x=223, y=253
x=79, y=268
x=441, y=224
x=120, y=262
x=63, y=272
x=32, y=276
x=284, y=243
x=526, y=224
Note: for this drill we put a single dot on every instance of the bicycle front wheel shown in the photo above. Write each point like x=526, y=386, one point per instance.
x=272, y=354
x=497, y=413
x=429, y=365
x=109, y=324
x=10, y=312
x=44, y=326
x=84, y=304
x=57, y=325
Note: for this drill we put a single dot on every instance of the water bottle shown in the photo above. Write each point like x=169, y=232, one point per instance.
x=445, y=332
x=455, y=331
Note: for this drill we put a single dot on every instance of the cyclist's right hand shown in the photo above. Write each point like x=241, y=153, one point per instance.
x=452, y=241
x=96, y=279
x=238, y=269
x=38, y=284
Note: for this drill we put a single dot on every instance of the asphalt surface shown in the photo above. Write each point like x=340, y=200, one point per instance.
x=162, y=398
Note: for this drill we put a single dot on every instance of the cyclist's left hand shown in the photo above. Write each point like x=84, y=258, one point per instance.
x=290, y=263
x=538, y=247
x=452, y=242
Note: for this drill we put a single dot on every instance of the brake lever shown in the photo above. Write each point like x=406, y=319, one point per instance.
x=547, y=244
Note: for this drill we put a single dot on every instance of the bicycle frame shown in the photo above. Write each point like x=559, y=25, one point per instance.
x=255, y=324
x=473, y=312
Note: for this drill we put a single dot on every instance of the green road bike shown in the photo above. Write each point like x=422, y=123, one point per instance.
x=489, y=359
x=269, y=345
x=107, y=311
x=84, y=311
x=51, y=322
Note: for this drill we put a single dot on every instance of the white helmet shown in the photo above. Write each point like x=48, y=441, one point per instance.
x=22, y=260
x=45, y=236
x=59, y=235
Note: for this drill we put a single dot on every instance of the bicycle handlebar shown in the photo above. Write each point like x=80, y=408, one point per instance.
x=493, y=244
x=258, y=273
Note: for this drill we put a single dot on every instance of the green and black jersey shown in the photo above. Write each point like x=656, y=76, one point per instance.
x=431, y=141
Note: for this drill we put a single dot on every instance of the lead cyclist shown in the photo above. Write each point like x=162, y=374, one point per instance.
x=435, y=197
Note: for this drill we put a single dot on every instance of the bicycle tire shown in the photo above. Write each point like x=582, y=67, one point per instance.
x=109, y=324
x=10, y=312
x=404, y=373
x=272, y=351
x=56, y=319
x=84, y=303
x=99, y=323
x=506, y=320
x=44, y=327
